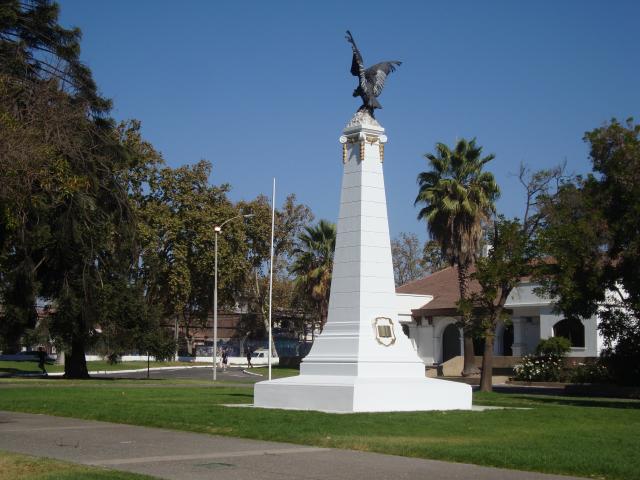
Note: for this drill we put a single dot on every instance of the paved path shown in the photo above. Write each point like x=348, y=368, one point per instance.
x=233, y=374
x=191, y=456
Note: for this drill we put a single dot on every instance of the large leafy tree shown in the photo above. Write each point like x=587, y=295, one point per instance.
x=177, y=210
x=592, y=231
x=34, y=48
x=508, y=261
x=66, y=223
x=313, y=265
x=458, y=197
x=512, y=255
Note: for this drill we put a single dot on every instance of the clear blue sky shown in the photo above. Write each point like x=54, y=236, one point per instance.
x=263, y=88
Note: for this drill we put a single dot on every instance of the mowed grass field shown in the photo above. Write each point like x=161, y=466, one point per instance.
x=25, y=467
x=595, y=438
x=27, y=366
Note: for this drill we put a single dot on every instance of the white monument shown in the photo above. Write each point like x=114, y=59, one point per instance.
x=362, y=361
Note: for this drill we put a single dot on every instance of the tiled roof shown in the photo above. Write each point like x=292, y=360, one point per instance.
x=443, y=286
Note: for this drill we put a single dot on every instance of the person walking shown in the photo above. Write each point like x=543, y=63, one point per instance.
x=42, y=358
x=225, y=359
x=249, y=353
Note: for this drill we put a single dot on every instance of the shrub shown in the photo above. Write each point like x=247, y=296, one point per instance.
x=547, y=364
x=558, y=346
x=595, y=372
x=534, y=368
x=623, y=360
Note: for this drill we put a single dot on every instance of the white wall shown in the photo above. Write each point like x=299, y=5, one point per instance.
x=533, y=320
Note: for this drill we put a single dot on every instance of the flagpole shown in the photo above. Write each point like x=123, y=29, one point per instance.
x=273, y=218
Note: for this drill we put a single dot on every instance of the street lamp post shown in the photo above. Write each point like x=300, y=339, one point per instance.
x=218, y=229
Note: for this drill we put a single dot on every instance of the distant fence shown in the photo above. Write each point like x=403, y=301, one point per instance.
x=285, y=347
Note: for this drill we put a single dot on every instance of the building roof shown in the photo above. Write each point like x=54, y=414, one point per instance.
x=443, y=286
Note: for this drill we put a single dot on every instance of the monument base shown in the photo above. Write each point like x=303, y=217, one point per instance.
x=348, y=394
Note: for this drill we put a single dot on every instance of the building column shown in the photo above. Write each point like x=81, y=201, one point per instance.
x=424, y=340
x=519, y=346
x=497, y=341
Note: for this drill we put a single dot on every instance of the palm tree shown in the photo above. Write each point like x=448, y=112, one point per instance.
x=458, y=198
x=313, y=263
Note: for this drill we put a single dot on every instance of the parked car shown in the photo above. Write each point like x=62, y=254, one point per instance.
x=260, y=353
x=261, y=357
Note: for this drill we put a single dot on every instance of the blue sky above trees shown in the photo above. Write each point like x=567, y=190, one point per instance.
x=263, y=89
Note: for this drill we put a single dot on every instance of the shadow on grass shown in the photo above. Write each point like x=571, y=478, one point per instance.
x=580, y=401
x=16, y=371
x=243, y=395
x=591, y=402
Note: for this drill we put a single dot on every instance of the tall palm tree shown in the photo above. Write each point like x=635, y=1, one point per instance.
x=313, y=264
x=458, y=197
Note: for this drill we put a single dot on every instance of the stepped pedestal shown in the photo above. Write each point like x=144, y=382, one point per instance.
x=362, y=361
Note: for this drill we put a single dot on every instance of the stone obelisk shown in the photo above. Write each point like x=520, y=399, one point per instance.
x=362, y=361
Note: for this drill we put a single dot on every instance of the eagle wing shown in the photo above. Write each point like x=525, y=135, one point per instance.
x=377, y=74
x=357, y=64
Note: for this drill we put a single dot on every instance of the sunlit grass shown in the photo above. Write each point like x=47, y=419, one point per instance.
x=24, y=467
x=27, y=366
x=584, y=437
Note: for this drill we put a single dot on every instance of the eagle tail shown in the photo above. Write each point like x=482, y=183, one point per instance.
x=373, y=103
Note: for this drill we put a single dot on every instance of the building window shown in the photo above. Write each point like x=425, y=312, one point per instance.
x=507, y=341
x=450, y=342
x=573, y=330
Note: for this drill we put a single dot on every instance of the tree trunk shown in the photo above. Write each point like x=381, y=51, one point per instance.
x=75, y=365
x=189, y=341
x=486, y=383
x=324, y=313
x=469, y=367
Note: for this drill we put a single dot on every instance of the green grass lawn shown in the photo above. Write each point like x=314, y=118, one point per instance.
x=32, y=366
x=578, y=436
x=24, y=467
x=276, y=372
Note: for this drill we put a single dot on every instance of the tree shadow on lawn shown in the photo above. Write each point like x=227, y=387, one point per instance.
x=12, y=371
x=243, y=395
x=583, y=402
x=16, y=371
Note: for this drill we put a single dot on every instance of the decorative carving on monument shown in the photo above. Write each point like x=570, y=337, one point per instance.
x=370, y=80
x=363, y=118
x=343, y=141
x=384, y=331
x=382, y=140
x=362, y=139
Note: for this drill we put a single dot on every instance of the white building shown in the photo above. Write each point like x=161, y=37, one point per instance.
x=427, y=312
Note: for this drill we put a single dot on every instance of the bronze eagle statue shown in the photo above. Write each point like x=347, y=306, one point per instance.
x=370, y=80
